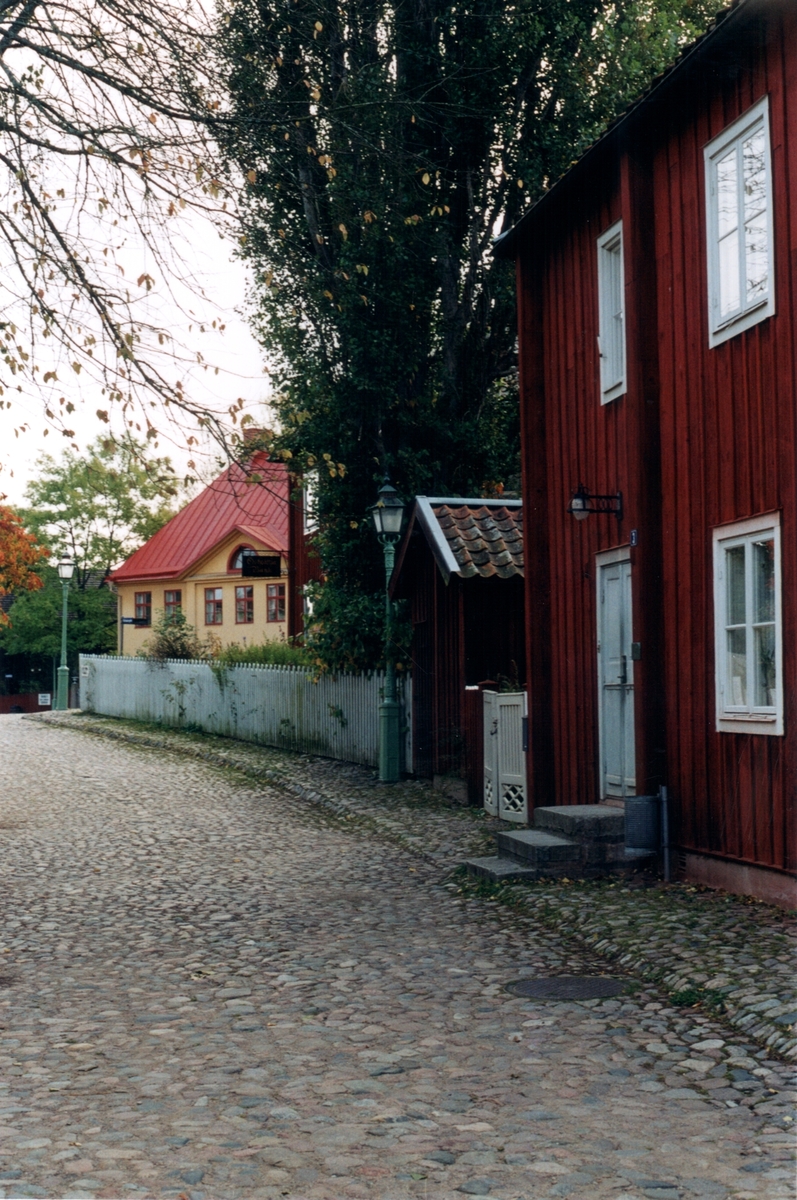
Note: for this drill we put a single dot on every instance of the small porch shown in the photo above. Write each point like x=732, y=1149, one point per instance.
x=460, y=568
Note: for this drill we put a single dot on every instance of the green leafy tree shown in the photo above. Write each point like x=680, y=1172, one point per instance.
x=34, y=626
x=383, y=145
x=99, y=507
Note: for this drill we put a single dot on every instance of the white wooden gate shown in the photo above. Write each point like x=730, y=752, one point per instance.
x=504, y=760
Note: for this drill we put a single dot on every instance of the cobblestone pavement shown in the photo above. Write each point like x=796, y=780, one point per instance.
x=724, y=949
x=213, y=989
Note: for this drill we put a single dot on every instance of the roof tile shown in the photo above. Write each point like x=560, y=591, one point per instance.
x=484, y=540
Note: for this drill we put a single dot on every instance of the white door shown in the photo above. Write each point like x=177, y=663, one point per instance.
x=615, y=676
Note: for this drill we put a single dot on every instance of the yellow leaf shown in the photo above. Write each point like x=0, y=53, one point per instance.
x=316, y=94
x=76, y=367
x=425, y=177
x=318, y=26
x=344, y=231
x=102, y=413
x=251, y=176
x=520, y=183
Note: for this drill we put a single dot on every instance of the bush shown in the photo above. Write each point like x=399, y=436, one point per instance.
x=173, y=637
x=269, y=654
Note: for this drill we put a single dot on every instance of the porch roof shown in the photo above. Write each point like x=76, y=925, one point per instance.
x=471, y=537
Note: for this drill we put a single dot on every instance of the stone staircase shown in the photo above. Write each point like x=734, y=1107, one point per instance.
x=574, y=840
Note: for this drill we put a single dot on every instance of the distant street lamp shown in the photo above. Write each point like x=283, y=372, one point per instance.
x=388, y=514
x=65, y=569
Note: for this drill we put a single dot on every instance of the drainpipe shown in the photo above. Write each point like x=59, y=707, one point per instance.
x=665, y=832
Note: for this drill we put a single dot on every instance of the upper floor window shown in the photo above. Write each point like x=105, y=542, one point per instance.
x=144, y=608
x=172, y=602
x=611, y=313
x=748, y=631
x=237, y=560
x=741, y=269
x=213, y=606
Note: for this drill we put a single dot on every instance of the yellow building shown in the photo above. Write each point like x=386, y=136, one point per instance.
x=222, y=560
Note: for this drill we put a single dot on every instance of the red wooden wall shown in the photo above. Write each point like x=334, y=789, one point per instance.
x=729, y=451
x=463, y=632
x=700, y=438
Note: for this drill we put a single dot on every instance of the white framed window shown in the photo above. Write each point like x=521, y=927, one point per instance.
x=748, y=626
x=741, y=261
x=611, y=313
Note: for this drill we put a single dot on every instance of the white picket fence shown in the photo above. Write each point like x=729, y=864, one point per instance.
x=276, y=706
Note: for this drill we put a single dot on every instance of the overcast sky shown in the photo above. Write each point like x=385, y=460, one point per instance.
x=223, y=279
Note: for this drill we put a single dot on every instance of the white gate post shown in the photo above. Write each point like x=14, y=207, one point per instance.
x=490, y=718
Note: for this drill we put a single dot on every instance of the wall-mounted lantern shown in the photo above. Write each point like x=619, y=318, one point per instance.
x=584, y=502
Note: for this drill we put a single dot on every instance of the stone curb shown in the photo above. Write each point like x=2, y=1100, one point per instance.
x=751, y=1012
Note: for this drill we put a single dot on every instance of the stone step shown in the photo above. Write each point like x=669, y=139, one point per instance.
x=538, y=848
x=499, y=870
x=594, y=823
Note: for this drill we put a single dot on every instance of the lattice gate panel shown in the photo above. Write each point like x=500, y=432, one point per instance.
x=512, y=801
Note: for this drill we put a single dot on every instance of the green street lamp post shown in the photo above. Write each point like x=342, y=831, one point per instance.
x=388, y=514
x=65, y=569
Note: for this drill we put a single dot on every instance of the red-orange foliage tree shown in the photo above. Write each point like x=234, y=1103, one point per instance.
x=20, y=555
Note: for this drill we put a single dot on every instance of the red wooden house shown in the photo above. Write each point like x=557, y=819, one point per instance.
x=657, y=285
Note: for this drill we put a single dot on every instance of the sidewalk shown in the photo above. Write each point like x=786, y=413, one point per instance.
x=731, y=955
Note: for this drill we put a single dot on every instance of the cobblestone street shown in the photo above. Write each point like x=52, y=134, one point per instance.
x=210, y=988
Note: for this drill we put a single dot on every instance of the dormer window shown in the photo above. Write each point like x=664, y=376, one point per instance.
x=238, y=556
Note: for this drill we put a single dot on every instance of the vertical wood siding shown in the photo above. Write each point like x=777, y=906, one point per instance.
x=702, y=437
x=729, y=451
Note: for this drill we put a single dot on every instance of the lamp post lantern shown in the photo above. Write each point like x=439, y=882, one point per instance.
x=65, y=569
x=388, y=514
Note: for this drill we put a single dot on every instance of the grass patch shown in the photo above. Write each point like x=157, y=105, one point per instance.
x=698, y=997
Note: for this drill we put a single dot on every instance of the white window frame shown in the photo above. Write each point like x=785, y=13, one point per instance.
x=611, y=307
x=748, y=313
x=750, y=718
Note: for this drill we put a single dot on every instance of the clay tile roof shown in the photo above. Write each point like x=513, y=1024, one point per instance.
x=258, y=509
x=474, y=537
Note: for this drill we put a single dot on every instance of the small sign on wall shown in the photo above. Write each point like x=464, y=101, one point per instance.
x=45, y=699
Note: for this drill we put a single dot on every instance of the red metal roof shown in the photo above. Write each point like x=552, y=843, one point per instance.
x=252, y=500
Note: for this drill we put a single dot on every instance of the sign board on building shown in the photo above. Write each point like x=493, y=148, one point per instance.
x=260, y=566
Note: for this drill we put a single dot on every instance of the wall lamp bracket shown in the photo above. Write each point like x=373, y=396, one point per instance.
x=584, y=502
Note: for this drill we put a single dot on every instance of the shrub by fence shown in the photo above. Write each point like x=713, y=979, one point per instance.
x=275, y=706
